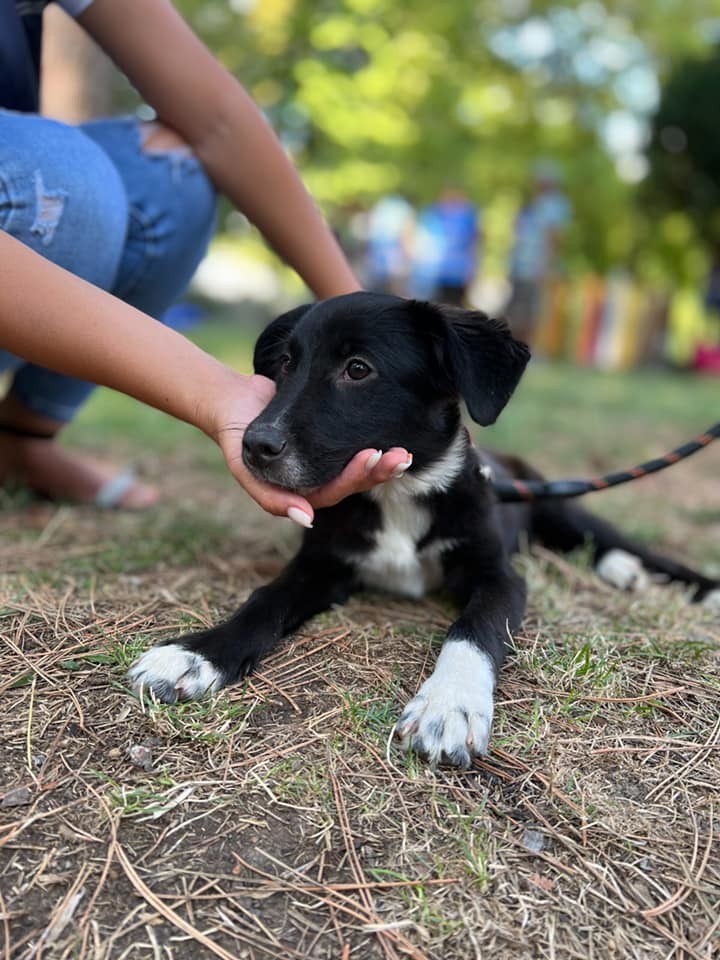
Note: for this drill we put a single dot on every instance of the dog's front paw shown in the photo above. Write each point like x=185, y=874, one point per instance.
x=172, y=672
x=450, y=717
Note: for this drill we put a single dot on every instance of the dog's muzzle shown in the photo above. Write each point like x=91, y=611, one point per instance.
x=271, y=458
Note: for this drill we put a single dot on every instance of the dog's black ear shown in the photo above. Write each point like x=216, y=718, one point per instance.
x=481, y=357
x=271, y=345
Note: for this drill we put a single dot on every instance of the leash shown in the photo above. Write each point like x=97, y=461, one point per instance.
x=516, y=491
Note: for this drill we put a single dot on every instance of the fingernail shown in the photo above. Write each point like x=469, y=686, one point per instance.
x=373, y=461
x=299, y=516
x=401, y=468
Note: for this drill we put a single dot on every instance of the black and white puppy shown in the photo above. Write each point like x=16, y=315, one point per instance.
x=370, y=370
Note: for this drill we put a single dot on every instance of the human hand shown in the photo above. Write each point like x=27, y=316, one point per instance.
x=242, y=399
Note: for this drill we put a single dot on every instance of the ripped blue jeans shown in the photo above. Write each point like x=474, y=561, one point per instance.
x=95, y=200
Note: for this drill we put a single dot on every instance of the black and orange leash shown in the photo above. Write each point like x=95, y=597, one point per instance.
x=516, y=491
x=519, y=491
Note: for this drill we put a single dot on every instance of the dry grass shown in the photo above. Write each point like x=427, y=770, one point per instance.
x=276, y=821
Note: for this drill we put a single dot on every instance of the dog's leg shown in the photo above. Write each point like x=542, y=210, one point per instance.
x=186, y=668
x=620, y=561
x=449, y=719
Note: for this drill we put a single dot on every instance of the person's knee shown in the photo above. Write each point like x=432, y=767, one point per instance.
x=62, y=197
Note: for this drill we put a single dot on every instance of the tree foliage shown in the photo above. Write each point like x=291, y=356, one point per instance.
x=684, y=149
x=373, y=96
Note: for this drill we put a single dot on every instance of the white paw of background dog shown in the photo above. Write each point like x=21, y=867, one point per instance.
x=711, y=601
x=171, y=672
x=622, y=570
x=449, y=719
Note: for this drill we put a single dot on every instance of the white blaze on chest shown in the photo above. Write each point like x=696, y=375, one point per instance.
x=395, y=563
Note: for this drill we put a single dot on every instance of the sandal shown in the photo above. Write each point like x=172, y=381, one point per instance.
x=111, y=493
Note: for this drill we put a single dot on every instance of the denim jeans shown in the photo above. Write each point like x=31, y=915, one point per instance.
x=92, y=199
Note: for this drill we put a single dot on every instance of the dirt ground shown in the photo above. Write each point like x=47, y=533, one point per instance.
x=279, y=820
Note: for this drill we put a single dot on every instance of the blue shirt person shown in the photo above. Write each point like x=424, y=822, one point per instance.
x=447, y=248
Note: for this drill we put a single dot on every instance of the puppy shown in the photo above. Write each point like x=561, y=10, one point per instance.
x=369, y=370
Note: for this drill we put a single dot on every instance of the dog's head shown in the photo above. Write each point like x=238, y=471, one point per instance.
x=370, y=370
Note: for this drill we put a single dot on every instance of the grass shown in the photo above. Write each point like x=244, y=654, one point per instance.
x=274, y=819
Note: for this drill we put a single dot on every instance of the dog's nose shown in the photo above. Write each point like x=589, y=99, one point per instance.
x=263, y=443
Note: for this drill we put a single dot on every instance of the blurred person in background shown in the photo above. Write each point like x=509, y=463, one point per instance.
x=101, y=228
x=447, y=248
x=390, y=231
x=536, y=255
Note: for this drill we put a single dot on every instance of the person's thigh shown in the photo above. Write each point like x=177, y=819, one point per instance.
x=171, y=210
x=61, y=195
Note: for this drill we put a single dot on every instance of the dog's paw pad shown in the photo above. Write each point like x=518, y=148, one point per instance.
x=622, y=570
x=449, y=720
x=172, y=672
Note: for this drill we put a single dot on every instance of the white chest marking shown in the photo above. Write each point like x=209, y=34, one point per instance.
x=395, y=564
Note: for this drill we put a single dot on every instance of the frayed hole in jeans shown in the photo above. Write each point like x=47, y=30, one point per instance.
x=156, y=138
x=158, y=141
x=50, y=206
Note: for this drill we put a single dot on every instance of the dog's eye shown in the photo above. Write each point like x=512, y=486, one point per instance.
x=357, y=370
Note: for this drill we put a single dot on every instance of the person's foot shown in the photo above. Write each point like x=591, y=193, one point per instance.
x=46, y=468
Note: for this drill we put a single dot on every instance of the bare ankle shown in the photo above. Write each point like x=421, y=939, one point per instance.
x=19, y=419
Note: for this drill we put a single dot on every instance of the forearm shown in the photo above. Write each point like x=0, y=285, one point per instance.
x=195, y=96
x=52, y=318
x=262, y=182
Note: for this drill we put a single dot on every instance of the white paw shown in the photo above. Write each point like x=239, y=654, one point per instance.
x=172, y=672
x=622, y=570
x=449, y=719
x=711, y=601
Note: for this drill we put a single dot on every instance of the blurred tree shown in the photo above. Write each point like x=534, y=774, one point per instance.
x=684, y=150
x=374, y=96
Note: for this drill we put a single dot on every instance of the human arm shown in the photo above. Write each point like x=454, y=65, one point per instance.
x=50, y=317
x=195, y=96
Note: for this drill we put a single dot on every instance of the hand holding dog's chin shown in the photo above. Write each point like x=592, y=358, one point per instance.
x=364, y=472
x=355, y=478
x=240, y=400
